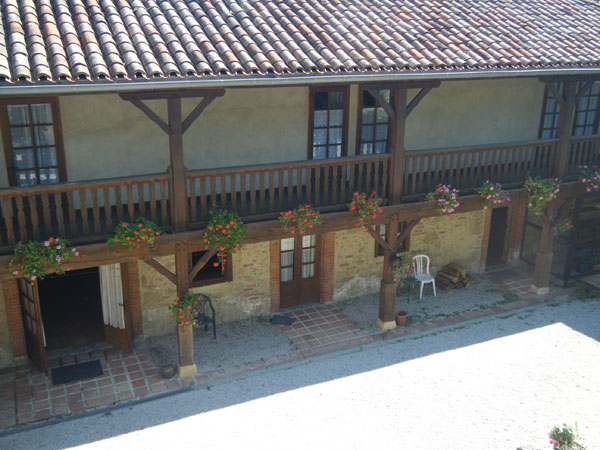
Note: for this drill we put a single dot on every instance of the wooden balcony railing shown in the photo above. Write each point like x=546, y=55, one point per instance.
x=470, y=167
x=266, y=190
x=83, y=211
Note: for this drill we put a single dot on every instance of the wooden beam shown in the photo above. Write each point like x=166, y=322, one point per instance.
x=387, y=291
x=200, y=107
x=161, y=269
x=408, y=229
x=565, y=123
x=177, y=183
x=557, y=96
x=201, y=263
x=417, y=99
x=586, y=87
x=381, y=102
x=164, y=95
x=379, y=239
x=151, y=114
x=397, y=139
x=101, y=254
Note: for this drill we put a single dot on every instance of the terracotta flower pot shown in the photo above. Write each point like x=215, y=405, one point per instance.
x=167, y=371
x=401, y=317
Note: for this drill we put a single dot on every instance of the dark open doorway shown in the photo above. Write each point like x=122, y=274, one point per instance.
x=495, y=254
x=72, y=308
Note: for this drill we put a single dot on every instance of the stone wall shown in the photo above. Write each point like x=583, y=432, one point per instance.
x=456, y=238
x=6, y=356
x=247, y=295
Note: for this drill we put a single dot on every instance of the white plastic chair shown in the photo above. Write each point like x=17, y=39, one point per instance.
x=421, y=265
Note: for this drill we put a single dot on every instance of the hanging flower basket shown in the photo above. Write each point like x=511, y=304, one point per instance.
x=38, y=256
x=492, y=194
x=300, y=220
x=563, y=225
x=590, y=177
x=142, y=231
x=183, y=309
x=402, y=267
x=225, y=233
x=445, y=198
x=541, y=192
x=366, y=207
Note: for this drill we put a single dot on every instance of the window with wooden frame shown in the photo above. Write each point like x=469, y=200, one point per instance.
x=210, y=274
x=328, y=122
x=585, y=122
x=32, y=139
x=404, y=245
x=373, y=124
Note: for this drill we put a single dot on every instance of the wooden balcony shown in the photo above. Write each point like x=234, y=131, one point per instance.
x=85, y=212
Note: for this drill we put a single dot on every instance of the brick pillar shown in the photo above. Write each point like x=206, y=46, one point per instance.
x=487, y=222
x=274, y=250
x=16, y=332
x=133, y=297
x=327, y=267
x=515, y=233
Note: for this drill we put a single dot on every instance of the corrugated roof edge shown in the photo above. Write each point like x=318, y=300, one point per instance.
x=274, y=81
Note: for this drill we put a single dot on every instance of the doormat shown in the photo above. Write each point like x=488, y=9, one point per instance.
x=76, y=372
x=282, y=320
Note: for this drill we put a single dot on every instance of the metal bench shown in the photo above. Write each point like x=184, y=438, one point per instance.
x=204, y=316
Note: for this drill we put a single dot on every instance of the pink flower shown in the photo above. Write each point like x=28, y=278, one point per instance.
x=76, y=253
x=485, y=207
x=33, y=277
x=16, y=272
x=46, y=244
x=58, y=247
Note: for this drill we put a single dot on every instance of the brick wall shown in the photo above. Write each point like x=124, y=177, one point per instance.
x=274, y=251
x=133, y=296
x=327, y=267
x=15, y=346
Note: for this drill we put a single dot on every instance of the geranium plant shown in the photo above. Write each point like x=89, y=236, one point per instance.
x=366, y=207
x=402, y=267
x=590, y=177
x=492, y=194
x=184, y=308
x=445, y=198
x=541, y=192
x=142, y=231
x=563, y=225
x=563, y=438
x=37, y=257
x=225, y=233
x=300, y=220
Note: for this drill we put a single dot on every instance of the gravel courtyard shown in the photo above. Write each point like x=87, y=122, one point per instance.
x=498, y=382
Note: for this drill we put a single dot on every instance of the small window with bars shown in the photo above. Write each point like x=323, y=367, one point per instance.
x=328, y=123
x=32, y=147
x=210, y=274
x=404, y=245
x=374, y=124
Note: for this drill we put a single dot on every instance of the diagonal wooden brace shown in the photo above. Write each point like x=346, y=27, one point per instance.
x=161, y=269
x=201, y=263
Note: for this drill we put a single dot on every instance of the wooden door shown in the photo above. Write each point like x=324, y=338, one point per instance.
x=299, y=271
x=32, y=323
x=121, y=338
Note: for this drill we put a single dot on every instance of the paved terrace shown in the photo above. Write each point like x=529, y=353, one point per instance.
x=28, y=395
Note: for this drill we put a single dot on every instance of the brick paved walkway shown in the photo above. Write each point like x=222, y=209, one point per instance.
x=28, y=395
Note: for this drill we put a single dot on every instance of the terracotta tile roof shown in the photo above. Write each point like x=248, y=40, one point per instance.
x=89, y=40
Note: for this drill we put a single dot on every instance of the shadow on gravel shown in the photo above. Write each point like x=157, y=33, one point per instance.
x=582, y=317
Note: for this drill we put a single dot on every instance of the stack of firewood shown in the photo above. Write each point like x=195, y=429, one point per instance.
x=453, y=276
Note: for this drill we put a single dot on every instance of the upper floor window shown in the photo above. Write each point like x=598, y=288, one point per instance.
x=373, y=126
x=328, y=122
x=32, y=142
x=585, y=122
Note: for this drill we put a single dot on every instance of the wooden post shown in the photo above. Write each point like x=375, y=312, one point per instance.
x=185, y=334
x=565, y=124
x=543, y=257
x=397, y=139
x=177, y=170
x=387, y=294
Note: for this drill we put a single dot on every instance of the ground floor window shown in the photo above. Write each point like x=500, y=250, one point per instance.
x=211, y=273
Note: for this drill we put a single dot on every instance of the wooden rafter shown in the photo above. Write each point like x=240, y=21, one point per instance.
x=382, y=102
x=379, y=239
x=201, y=263
x=417, y=99
x=200, y=107
x=151, y=114
x=161, y=269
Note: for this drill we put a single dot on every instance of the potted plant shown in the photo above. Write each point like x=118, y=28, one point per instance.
x=300, y=220
x=366, y=207
x=142, y=231
x=564, y=438
x=590, y=177
x=445, y=198
x=402, y=268
x=38, y=256
x=225, y=233
x=563, y=225
x=541, y=192
x=401, y=317
x=492, y=194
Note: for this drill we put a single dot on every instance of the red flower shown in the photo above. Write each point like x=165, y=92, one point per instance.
x=216, y=264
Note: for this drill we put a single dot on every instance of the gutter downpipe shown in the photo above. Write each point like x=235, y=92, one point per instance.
x=270, y=81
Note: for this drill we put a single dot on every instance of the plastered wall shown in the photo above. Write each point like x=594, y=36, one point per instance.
x=247, y=295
